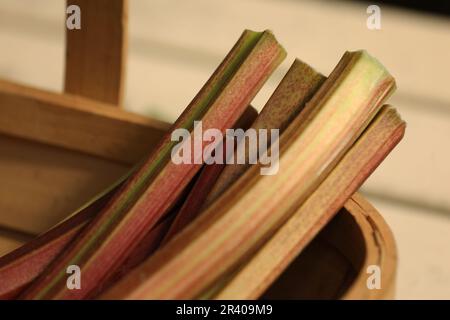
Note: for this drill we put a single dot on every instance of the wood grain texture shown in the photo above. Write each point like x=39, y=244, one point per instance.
x=42, y=184
x=79, y=146
x=96, y=54
x=76, y=123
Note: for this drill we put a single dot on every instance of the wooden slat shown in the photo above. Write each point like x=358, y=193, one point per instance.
x=42, y=184
x=96, y=54
x=74, y=148
x=76, y=123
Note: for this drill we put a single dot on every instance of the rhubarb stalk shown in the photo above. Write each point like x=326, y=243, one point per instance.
x=258, y=273
x=297, y=87
x=104, y=245
x=249, y=212
x=289, y=98
x=208, y=176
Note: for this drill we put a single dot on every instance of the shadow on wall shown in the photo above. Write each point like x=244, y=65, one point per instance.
x=434, y=7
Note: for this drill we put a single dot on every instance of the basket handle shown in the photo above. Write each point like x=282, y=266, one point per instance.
x=96, y=53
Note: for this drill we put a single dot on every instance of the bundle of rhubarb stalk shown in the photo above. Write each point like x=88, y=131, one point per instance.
x=217, y=229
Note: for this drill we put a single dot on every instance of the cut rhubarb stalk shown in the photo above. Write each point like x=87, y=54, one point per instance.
x=106, y=243
x=297, y=87
x=208, y=176
x=156, y=238
x=257, y=274
x=249, y=212
x=146, y=247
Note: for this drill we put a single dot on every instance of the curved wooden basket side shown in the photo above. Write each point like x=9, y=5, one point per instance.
x=380, y=251
x=334, y=265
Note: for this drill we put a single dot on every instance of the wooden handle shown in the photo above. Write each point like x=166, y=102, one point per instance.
x=96, y=53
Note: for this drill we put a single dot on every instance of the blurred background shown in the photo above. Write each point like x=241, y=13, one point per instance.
x=175, y=45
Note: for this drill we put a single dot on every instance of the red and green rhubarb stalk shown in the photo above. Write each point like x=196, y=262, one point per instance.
x=296, y=88
x=258, y=273
x=208, y=176
x=106, y=243
x=155, y=237
x=249, y=212
x=289, y=98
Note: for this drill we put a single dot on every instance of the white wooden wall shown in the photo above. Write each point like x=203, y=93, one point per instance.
x=175, y=45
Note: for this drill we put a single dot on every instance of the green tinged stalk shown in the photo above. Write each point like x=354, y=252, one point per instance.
x=118, y=209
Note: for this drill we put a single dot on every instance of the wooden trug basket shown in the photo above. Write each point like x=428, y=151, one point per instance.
x=57, y=150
